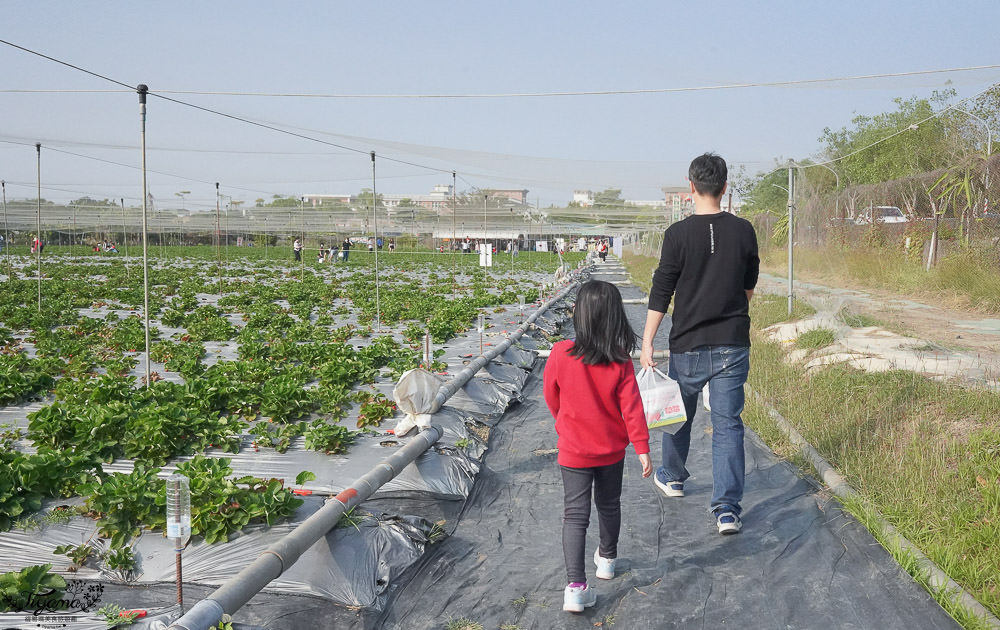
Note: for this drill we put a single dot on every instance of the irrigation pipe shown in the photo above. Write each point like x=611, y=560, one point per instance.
x=270, y=564
x=936, y=578
x=463, y=376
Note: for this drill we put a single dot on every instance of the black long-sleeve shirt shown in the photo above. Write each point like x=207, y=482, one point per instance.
x=708, y=262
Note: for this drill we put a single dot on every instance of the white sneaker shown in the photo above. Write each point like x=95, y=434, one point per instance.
x=575, y=599
x=605, y=566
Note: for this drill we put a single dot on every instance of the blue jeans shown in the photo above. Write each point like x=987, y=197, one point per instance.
x=725, y=369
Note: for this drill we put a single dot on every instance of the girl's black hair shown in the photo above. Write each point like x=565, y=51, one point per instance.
x=603, y=334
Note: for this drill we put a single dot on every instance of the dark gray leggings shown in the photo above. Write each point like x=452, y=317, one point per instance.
x=606, y=482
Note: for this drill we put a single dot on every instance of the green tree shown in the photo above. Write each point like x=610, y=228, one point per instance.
x=364, y=199
x=609, y=198
x=88, y=202
x=891, y=145
x=284, y=202
x=766, y=193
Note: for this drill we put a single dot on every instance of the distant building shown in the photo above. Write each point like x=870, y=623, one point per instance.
x=678, y=200
x=737, y=204
x=583, y=198
x=318, y=200
x=518, y=195
x=651, y=203
x=440, y=198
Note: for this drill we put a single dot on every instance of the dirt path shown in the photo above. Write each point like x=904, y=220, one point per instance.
x=969, y=343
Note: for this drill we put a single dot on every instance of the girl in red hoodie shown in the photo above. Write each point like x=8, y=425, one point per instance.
x=591, y=390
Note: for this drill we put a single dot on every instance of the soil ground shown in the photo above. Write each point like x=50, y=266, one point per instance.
x=969, y=339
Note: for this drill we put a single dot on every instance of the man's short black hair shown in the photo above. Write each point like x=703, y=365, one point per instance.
x=708, y=173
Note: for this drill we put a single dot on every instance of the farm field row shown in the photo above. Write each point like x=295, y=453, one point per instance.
x=284, y=356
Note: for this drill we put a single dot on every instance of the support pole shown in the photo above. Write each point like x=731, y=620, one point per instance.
x=6, y=234
x=791, y=234
x=218, y=236
x=378, y=307
x=38, y=222
x=124, y=237
x=454, y=243
x=142, y=90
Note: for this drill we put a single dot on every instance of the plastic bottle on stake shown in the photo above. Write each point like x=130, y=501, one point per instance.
x=178, y=508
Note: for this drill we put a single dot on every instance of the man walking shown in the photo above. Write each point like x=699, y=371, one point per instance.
x=710, y=262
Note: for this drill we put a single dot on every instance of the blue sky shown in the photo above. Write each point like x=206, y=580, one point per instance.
x=549, y=145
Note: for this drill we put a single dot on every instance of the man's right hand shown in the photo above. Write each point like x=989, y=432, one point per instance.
x=653, y=319
x=646, y=357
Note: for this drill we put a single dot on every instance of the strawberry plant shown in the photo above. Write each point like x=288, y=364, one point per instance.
x=329, y=438
x=276, y=435
x=183, y=357
x=120, y=561
x=122, y=502
x=79, y=554
x=283, y=398
x=31, y=588
x=206, y=323
x=114, y=615
x=375, y=408
x=22, y=378
x=26, y=479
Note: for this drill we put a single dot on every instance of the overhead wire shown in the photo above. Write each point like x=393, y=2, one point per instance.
x=666, y=90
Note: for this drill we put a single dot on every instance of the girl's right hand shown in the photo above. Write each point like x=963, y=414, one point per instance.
x=647, y=464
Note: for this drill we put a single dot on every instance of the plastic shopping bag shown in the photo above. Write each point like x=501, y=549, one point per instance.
x=661, y=400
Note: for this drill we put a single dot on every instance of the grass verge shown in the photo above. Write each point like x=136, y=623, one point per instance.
x=924, y=454
x=966, y=280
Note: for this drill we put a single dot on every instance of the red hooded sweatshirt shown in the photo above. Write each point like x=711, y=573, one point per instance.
x=597, y=409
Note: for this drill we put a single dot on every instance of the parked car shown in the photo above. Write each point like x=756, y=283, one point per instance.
x=882, y=214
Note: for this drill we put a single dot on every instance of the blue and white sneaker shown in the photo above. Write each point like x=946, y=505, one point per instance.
x=669, y=488
x=728, y=522
x=576, y=598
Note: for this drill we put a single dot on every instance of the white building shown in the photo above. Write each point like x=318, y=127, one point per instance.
x=583, y=198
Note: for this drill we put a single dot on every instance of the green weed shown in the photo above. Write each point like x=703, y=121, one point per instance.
x=815, y=339
x=859, y=320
